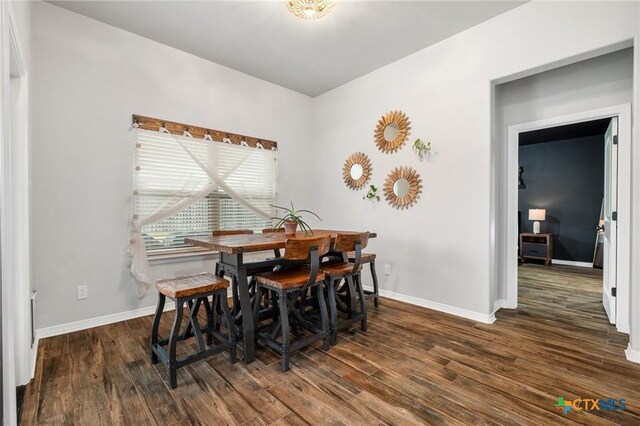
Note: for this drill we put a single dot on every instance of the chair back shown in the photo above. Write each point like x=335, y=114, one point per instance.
x=351, y=242
x=348, y=242
x=222, y=233
x=308, y=249
x=300, y=248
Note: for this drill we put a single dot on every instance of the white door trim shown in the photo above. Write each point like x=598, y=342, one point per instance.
x=509, y=262
x=14, y=217
x=24, y=352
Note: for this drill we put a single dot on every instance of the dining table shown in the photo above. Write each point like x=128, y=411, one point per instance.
x=232, y=263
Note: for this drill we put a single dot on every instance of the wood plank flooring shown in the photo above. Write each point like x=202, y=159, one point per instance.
x=413, y=366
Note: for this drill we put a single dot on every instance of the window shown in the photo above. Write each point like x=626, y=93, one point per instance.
x=171, y=168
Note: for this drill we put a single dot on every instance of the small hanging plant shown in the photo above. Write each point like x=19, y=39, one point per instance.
x=372, y=195
x=421, y=148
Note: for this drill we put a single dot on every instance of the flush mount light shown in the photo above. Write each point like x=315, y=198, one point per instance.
x=310, y=9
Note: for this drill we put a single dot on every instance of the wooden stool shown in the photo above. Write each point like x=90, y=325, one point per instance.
x=288, y=287
x=194, y=290
x=338, y=270
x=369, y=258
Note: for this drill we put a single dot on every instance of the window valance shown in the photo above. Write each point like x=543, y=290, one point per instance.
x=181, y=129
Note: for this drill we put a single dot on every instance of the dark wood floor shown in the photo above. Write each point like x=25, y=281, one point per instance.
x=413, y=366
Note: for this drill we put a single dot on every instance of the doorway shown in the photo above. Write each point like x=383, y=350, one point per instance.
x=617, y=268
x=566, y=212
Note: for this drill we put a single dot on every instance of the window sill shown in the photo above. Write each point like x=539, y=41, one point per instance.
x=175, y=256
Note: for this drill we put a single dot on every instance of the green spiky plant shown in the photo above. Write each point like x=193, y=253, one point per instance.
x=293, y=215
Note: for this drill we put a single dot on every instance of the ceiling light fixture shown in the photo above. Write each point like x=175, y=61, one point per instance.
x=310, y=9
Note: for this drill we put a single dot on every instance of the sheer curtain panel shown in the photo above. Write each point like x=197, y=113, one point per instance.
x=186, y=186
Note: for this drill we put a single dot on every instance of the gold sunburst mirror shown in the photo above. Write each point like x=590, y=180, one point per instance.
x=356, y=171
x=403, y=187
x=392, y=131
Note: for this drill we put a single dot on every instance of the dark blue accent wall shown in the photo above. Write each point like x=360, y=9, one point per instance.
x=566, y=178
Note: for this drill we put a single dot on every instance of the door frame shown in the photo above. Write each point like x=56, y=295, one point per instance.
x=509, y=263
x=17, y=356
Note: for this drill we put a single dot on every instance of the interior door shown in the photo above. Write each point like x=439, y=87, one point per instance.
x=610, y=225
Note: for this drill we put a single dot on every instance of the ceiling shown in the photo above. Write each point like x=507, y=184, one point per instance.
x=569, y=131
x=263, y=39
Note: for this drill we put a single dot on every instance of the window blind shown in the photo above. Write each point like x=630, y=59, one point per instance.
x=165, y=171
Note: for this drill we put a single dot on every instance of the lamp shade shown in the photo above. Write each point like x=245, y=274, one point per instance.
x=537, y=214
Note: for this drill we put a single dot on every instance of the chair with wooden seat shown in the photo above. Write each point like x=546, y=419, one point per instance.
x=338, y=270
x=193, y=290
x=369, y=258
x=288, y=286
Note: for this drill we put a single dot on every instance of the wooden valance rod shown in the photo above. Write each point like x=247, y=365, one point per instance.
x=174, y=128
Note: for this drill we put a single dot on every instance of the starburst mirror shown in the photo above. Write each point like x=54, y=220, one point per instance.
x=392, y=131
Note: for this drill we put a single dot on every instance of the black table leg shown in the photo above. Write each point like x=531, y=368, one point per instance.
x=233, y=266
x=248, y=329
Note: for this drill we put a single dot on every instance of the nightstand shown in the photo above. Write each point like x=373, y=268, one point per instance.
x=536, y=246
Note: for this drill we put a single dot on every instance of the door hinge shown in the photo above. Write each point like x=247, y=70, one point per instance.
x=615, y=139
x=614, y=291
x=614, y=215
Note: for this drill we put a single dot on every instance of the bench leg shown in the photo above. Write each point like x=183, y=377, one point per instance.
x=374, y=277
x=324, y=317
x=333, y=311
x=286, y=338
x=156, y=324
x=210, y=319
x=194, y=324
x=173, y=340
x=363, y=306
x=231, y=325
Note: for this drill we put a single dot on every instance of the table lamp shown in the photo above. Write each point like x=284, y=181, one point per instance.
x=537, y=214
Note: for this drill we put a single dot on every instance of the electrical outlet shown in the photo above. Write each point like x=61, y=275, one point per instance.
x=83, y=292
x=387, y=269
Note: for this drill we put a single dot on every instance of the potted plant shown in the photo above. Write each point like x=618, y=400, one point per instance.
x=291, y=219
x=421, y=148
x=372, y=195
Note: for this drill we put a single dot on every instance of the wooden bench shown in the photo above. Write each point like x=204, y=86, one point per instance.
x=194, y=290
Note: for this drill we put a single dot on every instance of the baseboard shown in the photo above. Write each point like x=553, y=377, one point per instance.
x=34, y=355
x=441, y=307
x=499, y=304
x=633, y=356
x=70, y=327
x=572, y=263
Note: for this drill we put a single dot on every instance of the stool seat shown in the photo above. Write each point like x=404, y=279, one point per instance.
x=283, y=280
x=337, y=268
x=189, y=285
x=365, y=257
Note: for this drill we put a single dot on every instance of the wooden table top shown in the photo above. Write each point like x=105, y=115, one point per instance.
x=247, y=243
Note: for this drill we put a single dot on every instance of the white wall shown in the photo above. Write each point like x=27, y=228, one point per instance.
x=441, y=249
x=603, y=81
x=88, y=78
